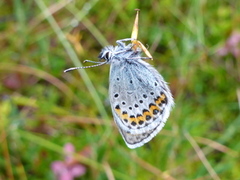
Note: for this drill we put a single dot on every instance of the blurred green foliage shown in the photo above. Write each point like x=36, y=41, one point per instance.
x=41, y=108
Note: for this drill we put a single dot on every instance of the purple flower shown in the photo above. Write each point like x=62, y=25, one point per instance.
x=69, y=168
x=232, y=46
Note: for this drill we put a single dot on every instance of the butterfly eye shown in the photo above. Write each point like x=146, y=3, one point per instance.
x=108, y=56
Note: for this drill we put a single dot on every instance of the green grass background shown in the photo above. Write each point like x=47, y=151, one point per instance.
x=42, y=109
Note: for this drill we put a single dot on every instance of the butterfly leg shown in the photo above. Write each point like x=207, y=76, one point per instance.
x=135, y=45
x=143, y=58
x=121, y=41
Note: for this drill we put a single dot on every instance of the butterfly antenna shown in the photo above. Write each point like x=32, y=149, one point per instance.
x=84, y=67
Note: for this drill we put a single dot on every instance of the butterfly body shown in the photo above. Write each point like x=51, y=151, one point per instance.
x=140, y=98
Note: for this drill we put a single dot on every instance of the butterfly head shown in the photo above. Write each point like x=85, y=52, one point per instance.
x=107, y=53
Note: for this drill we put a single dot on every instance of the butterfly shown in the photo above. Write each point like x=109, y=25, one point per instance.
x=140, y=99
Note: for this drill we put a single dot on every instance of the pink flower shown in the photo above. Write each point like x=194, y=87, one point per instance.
x=232, y=46
x=70, y=168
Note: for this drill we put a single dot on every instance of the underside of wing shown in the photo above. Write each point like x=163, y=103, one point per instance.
x=140, y=100
x=137, y=140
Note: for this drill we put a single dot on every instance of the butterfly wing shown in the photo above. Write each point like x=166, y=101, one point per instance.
x=140, y=99
x=137, y=140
